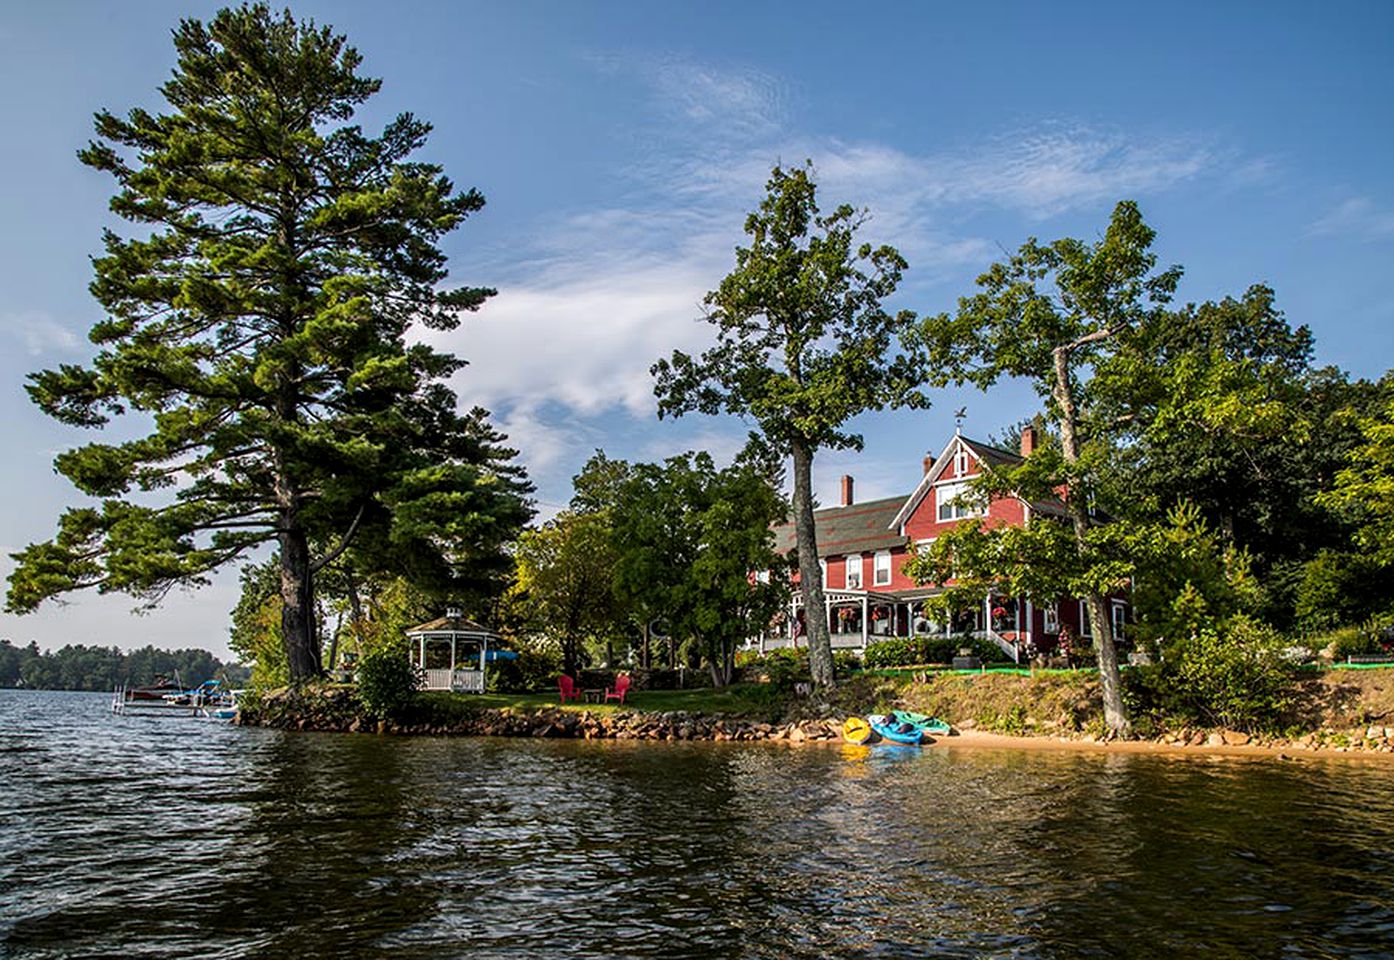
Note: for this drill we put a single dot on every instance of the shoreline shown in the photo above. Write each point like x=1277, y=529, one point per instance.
x=338, y=712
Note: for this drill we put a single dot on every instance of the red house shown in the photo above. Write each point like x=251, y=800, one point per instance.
x=863, y=546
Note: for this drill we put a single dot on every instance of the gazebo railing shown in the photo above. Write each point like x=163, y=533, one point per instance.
x=465, y=681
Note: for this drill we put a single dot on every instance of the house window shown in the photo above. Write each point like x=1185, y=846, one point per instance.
x=1084, y=628
x=961, y=462
x=854, y=571
x=882, y=574
x=1051, y=616
x=952, y=499
x=1120, y=620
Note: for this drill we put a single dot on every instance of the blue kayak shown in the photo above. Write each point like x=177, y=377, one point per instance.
x=895, y=732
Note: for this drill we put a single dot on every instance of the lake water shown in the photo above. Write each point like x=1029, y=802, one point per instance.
x=161, y=837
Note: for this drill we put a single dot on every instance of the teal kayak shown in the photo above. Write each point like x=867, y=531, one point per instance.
x=895, y=732
x=931, y=725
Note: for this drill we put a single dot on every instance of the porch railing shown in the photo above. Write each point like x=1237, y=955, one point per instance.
x=1005, y=645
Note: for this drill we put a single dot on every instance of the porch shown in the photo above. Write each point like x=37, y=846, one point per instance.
x=857, y=618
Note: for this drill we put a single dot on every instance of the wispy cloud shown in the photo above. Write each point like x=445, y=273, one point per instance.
x=1039, y=173
x=705, y=100
x=39, y=333
x=598, y=294
x=1358, y=217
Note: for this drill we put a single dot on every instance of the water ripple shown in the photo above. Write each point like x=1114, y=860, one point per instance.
x=159, y=837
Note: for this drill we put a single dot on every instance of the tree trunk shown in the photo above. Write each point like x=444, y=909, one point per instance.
x=1110, y=680
x=820, y=648
x=297, y=605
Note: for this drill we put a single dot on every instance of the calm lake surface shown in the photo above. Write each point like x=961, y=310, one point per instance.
x=166, y=837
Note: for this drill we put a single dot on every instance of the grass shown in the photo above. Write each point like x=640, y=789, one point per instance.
x=737, y=699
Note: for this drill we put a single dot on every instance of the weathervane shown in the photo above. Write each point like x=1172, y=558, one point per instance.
x=959, y=414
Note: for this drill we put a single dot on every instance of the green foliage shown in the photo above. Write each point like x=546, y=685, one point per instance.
x=258, y=319
x=1346, y=642
x=1187, y=578
x=781, y=668
x=803, y=342
x=1223, y=409
x=564, y=584
x=914, y=651
x=255, y=630
x=1341, y=588
x=845, y=662
x=687, y=538
x=1233, y=675
x=387, y=681
x=1364, y=489
x=535, y=669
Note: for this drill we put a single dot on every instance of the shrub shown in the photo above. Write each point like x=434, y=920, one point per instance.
x=911, y=651
x=845, y=661
x=534, y=669
x=1234, y=675
x=387, y=681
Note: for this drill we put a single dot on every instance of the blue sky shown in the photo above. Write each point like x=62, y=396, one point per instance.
x=619, y=145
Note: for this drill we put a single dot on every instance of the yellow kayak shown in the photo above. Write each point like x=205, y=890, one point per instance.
x=856, y=730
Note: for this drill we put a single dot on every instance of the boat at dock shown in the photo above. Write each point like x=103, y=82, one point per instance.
x=208, y=700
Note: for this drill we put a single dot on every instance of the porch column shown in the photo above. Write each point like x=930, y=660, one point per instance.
x=864, y=615
x=452, y=659
x=421, y=641
x=483, y=657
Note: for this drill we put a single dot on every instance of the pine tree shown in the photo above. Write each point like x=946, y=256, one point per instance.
x=259, y=319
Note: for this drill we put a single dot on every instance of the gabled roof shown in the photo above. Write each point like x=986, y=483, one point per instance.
x=852, y=529
x=448, y=625
x=982, y=452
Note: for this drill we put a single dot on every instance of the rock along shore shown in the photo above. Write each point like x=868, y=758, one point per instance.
x=339, y=712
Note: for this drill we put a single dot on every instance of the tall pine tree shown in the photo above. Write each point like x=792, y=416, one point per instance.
x=258, y=318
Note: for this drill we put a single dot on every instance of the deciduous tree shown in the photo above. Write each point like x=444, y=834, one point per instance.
x=804, y=344
x=1052, y=314
x=695, y=545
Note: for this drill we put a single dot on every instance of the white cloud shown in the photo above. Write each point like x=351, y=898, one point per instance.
x=590, y=302
x=585, y=341
x=1040, y=173
x=39, y=332
x=1357, y=217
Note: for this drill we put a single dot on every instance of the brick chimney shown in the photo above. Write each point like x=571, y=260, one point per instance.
x=846, y=490
x=928, y=462
x=1028, y=440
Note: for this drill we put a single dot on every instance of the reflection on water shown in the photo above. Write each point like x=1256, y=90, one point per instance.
x=161, y=837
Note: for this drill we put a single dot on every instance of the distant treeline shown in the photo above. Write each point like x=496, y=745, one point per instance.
x=80, y=667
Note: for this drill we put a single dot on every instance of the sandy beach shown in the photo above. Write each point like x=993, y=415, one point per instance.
x=974, y=739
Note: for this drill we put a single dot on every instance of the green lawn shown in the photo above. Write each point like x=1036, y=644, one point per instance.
x=740, y=698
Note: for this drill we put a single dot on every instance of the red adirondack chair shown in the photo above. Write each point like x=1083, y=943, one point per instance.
x=620, y=689
x=569, y=690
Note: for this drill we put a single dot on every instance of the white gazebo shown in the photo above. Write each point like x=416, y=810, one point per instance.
x=468, y=646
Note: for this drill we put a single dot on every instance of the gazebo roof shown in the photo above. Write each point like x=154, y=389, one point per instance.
x=446, y=626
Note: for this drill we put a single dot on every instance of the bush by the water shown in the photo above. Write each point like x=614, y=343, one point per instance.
x=1233, y=675
x=912, y=651
x=387, y=681
x=533, y=670
x=786, y=666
